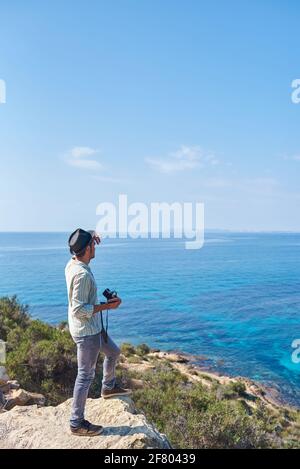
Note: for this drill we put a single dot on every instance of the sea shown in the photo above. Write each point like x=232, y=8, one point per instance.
x=234, y=303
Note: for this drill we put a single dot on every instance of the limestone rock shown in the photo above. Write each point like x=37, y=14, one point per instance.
x=171, y=356
x=20, y=397
x=140, y=367
x=48, y=427
x=13, y=384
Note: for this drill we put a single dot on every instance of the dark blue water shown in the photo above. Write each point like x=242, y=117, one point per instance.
x=235, y=301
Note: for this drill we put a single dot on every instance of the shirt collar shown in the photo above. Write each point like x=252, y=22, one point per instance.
x=83, y=264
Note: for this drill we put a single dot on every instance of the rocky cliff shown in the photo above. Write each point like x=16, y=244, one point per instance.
x=47, y=427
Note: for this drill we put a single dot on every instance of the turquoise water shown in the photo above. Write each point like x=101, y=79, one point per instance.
x=235, y=301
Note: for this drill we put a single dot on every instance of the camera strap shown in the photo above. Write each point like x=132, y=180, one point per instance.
x=104, y=331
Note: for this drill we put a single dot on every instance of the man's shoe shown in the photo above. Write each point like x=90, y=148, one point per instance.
x=87, y=429
x=116, y=391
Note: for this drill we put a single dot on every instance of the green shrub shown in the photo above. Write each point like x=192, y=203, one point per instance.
x=238, y=387
x=133, y=359
x=41, y=357
x=230, y=391
x=193, y=417
x=12, y=316
x=127, y=349
x=142, y=349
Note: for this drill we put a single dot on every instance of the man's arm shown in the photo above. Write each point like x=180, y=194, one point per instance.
x=80, y=293
x=111, y=304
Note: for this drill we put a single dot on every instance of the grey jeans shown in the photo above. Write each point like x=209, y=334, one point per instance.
x=88, y=348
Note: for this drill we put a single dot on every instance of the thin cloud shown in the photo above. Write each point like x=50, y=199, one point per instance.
x=80, y=158
x=86, y=164
x=109, y=179
x=292, y=157
x=217, y=183
x=78, y=152
x=185, y=158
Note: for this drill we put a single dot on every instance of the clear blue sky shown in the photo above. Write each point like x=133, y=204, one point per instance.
x=161, y=100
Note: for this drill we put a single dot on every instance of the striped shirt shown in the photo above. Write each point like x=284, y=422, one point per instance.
x=82, y=294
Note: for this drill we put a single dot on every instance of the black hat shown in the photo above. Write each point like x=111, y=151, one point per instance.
x=79, y=240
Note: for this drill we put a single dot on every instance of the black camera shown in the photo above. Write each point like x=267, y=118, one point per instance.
x=109, y=295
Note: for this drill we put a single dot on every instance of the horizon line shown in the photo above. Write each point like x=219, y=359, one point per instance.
x=211, y=230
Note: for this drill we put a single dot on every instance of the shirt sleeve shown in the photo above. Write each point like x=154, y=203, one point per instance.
x=80, y=296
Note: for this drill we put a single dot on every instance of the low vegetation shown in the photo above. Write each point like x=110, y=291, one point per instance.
x=41, y=357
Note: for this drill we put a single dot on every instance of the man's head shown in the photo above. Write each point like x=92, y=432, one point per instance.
x=82, y=244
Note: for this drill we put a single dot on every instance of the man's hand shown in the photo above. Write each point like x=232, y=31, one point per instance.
x=95, y=236
x=114, y=303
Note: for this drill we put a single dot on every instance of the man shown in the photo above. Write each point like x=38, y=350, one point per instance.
x=84, y=316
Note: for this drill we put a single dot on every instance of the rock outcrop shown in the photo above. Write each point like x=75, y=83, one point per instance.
x=11, y=395
x=48, y=427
